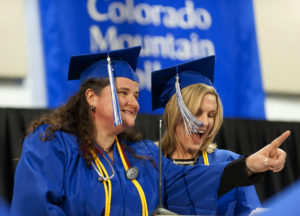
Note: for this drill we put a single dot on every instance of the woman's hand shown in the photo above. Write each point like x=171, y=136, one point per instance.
x=271, y=157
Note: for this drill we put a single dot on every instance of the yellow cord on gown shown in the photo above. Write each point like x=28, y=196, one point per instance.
x=205, y=158
x=135, y=182
x=102, y=170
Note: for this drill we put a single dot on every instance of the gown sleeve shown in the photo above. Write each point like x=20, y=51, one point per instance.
x=240, y=200
x=205, y=182
x=247, y=200
x=4, y=207
x=39, y=178
x=182, y=184
x=184, y=189
x=194, y=189
x=235, y=174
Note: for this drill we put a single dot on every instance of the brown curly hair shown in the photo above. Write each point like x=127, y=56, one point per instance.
x=74, y=117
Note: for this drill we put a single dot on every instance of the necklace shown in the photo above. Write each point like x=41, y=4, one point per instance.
x=185, y=161
x=108, y=149
x=193, y=161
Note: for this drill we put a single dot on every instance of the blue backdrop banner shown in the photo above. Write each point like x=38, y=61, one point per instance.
x=170, y=32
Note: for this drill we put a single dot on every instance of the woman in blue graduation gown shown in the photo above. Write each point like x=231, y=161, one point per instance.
x=193, y=115
x=52, y=179
x=82, y=159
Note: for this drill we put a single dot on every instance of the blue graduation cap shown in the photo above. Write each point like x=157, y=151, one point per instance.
x=166, y=82
x=123, y=63
x=116, y=63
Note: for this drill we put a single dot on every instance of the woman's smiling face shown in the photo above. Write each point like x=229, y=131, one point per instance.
x=128, y=92
x=190, y=145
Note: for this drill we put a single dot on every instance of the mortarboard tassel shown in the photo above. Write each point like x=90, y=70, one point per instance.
x=115, y=103
x=191, y=123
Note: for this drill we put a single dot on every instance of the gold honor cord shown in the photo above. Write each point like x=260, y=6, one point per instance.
x=102, y=169
x=135, y=182
x=205, y=158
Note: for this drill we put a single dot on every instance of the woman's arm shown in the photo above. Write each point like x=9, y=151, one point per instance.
x=39, y=178
x=249, y=170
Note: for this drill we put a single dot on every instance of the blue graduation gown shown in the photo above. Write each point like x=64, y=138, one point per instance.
x=284, y=203
x=52, y=179
x=240, y=200
x=4, y=208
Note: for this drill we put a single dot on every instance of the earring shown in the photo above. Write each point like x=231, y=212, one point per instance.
x=93, y=109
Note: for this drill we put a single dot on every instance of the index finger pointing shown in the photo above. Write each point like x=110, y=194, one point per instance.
x=279, y=140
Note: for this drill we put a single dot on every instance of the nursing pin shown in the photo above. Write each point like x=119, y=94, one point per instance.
x=132, y=173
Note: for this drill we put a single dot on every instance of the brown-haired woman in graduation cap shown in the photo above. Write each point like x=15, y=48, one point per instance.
x=192, y=117
x=82, y=160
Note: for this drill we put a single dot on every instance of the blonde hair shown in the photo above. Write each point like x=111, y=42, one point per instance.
x=192, y=96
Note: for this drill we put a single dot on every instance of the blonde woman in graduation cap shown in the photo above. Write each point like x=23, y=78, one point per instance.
x=192, y=117
x=82, y=159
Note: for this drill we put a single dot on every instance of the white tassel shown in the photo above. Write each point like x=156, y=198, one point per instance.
x=191, y=123
x=114, y=97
